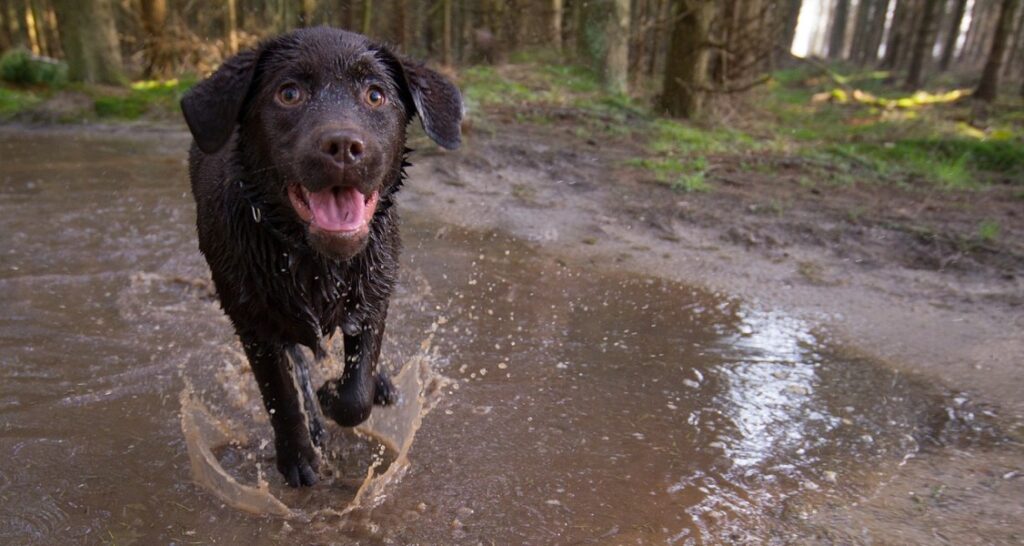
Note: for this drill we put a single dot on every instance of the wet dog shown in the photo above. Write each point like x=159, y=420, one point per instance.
x=298, y=153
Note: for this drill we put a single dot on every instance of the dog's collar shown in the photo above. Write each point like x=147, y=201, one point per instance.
x=262, y=215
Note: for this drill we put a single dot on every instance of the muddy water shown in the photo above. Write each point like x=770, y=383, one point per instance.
x=582, y=407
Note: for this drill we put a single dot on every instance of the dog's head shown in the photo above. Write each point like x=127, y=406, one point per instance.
x=321, y=116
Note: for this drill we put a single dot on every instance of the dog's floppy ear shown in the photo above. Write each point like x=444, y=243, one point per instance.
x=433, y=98
x=212, y=107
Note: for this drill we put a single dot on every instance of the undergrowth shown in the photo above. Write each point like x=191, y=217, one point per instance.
x=849, y=126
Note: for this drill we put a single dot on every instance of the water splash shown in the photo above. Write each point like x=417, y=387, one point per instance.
x=394, y=429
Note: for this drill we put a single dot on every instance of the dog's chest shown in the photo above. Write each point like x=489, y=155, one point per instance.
x=319, y=288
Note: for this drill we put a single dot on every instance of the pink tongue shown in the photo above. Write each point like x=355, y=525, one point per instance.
x=337, y=209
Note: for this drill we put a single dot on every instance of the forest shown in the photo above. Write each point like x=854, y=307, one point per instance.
x=673, y=55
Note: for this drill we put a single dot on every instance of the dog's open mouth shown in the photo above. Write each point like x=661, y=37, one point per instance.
x=336, y=210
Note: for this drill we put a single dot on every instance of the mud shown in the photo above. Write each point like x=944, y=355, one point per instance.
x=593, y=399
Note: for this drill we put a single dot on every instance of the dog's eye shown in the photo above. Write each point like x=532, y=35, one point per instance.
x=375, y=97
x=289, y=94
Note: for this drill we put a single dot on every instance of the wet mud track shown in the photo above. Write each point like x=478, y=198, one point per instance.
x=578, y=405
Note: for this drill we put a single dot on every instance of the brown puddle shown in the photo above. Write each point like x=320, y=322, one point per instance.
x=586, y=406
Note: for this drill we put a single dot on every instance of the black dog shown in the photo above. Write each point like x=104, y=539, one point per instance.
x=299, y=151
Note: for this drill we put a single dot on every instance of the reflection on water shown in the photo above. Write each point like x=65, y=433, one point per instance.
x=769, y=392
x=587, y=406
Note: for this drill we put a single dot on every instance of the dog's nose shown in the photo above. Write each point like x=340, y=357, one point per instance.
x=342, y=147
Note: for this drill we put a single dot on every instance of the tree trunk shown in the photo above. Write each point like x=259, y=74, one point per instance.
x=6, y=36
x=446, y=32
x=578, y=35
x=948, y=48
x=984, y=19
x=159, y=61
x=39, y=18
x=15, y=23
x=345, y=15
x=868, y=53
x=616, y=63
x=31, y=30
x=686, y=72
x=787, y=32
x=895, y=41
x=637, y=43
x=90, y=41
x=1015, y=48
x=556, y=25
x=661, y=35
x=365, y=28
x=923, y=43
x=49, y=19
x=232, y=27
x=860, y=28
x=307, y=13
x=988, y=87
x=399, y=24
x=837, y=41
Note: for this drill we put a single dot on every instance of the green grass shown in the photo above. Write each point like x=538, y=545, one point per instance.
x=888, y=135
x=483, y=86
x=952, y=163
x=142, y=97
x=988, y=231
x=13, y=101
x=680, y=175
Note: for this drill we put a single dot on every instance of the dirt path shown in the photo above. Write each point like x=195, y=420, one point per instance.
x=874, y=283
x=879, y=269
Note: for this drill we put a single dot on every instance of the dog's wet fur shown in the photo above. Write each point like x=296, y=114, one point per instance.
x=298, y=153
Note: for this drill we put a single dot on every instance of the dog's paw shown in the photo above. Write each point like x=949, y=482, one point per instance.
x=385, y=393
x=346, y=405
x=298, y=466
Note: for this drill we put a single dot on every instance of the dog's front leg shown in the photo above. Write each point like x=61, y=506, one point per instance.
x=297, y=459
x=349, y=399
